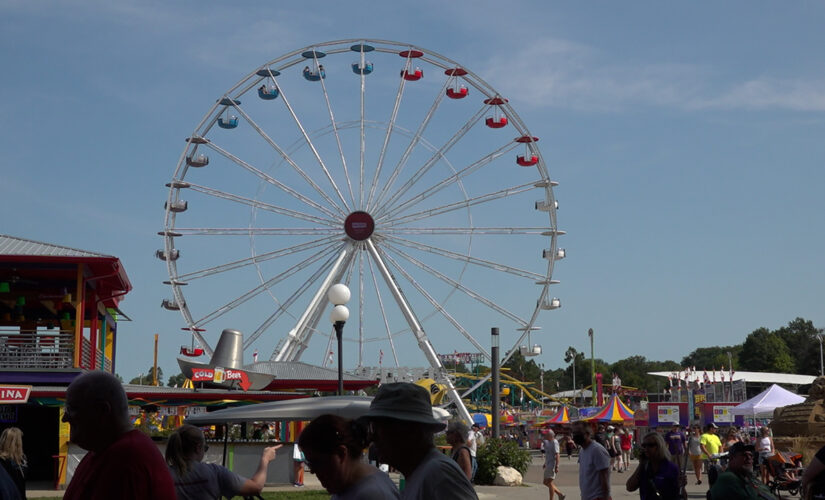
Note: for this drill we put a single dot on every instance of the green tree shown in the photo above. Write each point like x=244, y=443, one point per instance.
x=801, y=338
x=145, y=378
x=765, y=351
x=709, y=358
x=176, y=380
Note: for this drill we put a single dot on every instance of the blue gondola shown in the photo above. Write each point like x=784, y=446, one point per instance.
x=268, y=92
x=314, y=76
x=366, y=69
x=228, y=122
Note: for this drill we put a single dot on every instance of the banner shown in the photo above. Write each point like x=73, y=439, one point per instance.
x=668, y=413
x=722, y=414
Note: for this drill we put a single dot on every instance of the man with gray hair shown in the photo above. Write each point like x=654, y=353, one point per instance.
x=121, y=462
x=551, y=451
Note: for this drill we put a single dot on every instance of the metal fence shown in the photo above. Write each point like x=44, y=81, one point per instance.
x=45, y=349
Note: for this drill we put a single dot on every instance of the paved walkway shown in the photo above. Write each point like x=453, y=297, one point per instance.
x=567, y=481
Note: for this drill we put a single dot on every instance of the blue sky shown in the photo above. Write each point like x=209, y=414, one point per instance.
x=687, y=140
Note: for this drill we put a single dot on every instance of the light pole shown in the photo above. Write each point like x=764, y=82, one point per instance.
x=819, y=338
x=494, y=381
x=592, y=369
x=339, y=295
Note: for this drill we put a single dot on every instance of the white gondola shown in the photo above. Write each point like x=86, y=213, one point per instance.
x=198, y=160
x=161, y=254
x=176, y=206
x=171, y=305
x=549, y=305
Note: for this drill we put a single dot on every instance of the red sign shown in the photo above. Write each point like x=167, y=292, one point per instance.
x=14, y=394
x=203, y=375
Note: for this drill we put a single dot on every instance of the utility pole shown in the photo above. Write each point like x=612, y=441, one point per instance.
x=592, y=369
x=494, y=381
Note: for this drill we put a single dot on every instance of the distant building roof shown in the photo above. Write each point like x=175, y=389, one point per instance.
x=11, y=245
x=755, y=377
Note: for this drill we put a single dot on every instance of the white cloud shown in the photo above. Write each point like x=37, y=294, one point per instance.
x=559, y=73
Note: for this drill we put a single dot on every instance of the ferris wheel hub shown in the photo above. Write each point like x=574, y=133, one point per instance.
x=359, y=225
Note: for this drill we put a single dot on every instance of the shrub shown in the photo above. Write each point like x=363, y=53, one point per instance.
x=497, y=452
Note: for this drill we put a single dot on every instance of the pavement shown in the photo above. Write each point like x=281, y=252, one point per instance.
x=567, y=481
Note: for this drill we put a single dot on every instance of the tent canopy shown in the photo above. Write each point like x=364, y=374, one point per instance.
x=296, y=409
x=763, y=404
x=613, y=411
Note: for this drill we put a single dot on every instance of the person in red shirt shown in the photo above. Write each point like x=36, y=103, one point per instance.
x=121, y=462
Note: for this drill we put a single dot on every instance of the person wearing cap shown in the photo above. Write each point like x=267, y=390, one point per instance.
x=738, y=481
x=401, y=424
x=710, y=444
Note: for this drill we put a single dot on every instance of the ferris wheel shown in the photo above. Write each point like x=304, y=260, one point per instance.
x=377, y=164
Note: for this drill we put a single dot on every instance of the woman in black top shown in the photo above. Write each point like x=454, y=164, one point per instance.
x=13, y=459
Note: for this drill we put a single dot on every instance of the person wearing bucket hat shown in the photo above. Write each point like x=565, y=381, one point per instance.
x=738, y=481
x=401, y=424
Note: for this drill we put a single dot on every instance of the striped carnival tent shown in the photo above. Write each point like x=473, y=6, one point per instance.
x=561, y=417
x=613, y=411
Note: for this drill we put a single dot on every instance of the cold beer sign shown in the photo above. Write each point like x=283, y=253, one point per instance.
x=14, y=394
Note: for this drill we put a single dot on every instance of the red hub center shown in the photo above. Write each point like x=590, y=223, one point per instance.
x=359, y=225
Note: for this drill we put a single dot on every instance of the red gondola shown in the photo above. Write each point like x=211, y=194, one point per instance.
x=457, y=93
x=498, y=120
x=192, y=352
x=528, y=159
x=527, y=162
x=412, y=76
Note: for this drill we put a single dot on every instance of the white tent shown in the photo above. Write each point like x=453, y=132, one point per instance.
x=763, y=404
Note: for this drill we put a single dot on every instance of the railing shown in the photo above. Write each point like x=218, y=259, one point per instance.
x=44, y=349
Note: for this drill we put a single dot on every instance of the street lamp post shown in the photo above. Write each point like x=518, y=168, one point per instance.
x=819, y=337
x=494, y=381
x=339, y=295
x=592, y=368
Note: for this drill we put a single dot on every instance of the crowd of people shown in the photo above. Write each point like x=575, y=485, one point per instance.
x=399, y=430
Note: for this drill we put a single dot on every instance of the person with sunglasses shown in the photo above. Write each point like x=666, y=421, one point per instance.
x=656, y=477
x=738, y=481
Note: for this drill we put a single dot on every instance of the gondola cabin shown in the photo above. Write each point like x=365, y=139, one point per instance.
x=314, y=75
x=228, y=121
x=496, y=122
x=268, y=92
x=457, y=93
x=527, y=160
x=362, y=69
x=197, y=160
x=192, y=352
x=412, y=76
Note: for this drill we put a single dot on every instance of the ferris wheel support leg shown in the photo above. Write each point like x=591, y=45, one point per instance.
x=423, y=342
x=298, y=337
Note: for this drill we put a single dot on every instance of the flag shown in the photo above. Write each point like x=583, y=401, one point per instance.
x=380, y=356
x=329, y=357
x=255, y=356
x=705, y=377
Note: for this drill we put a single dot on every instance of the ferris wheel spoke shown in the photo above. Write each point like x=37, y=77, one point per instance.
x=416, y=138
x=271, y=180
x=337, y=139
x=263, y=206
x=383, y=313
x=465, y=258
x=546, y=231
x=456, y=177
x=254, y=231
x=317, y=158
x=229, y=266
x=438, y=155
x=386, y=143
x=457, y=284
x=286, y=304
x=451, y=207
x=438, y=307
x=363, y=142
x=254, y=292
x=300, y=335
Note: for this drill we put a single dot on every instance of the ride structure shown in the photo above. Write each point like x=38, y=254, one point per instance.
x=405, y=192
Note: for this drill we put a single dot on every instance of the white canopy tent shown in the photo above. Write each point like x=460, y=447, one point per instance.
x=763, y=404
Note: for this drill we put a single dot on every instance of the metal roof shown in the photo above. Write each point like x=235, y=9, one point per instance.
x=297, y=370
x=11, y=245
x=755, y=377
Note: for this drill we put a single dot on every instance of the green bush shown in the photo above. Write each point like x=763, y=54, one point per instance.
x=497, y=452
